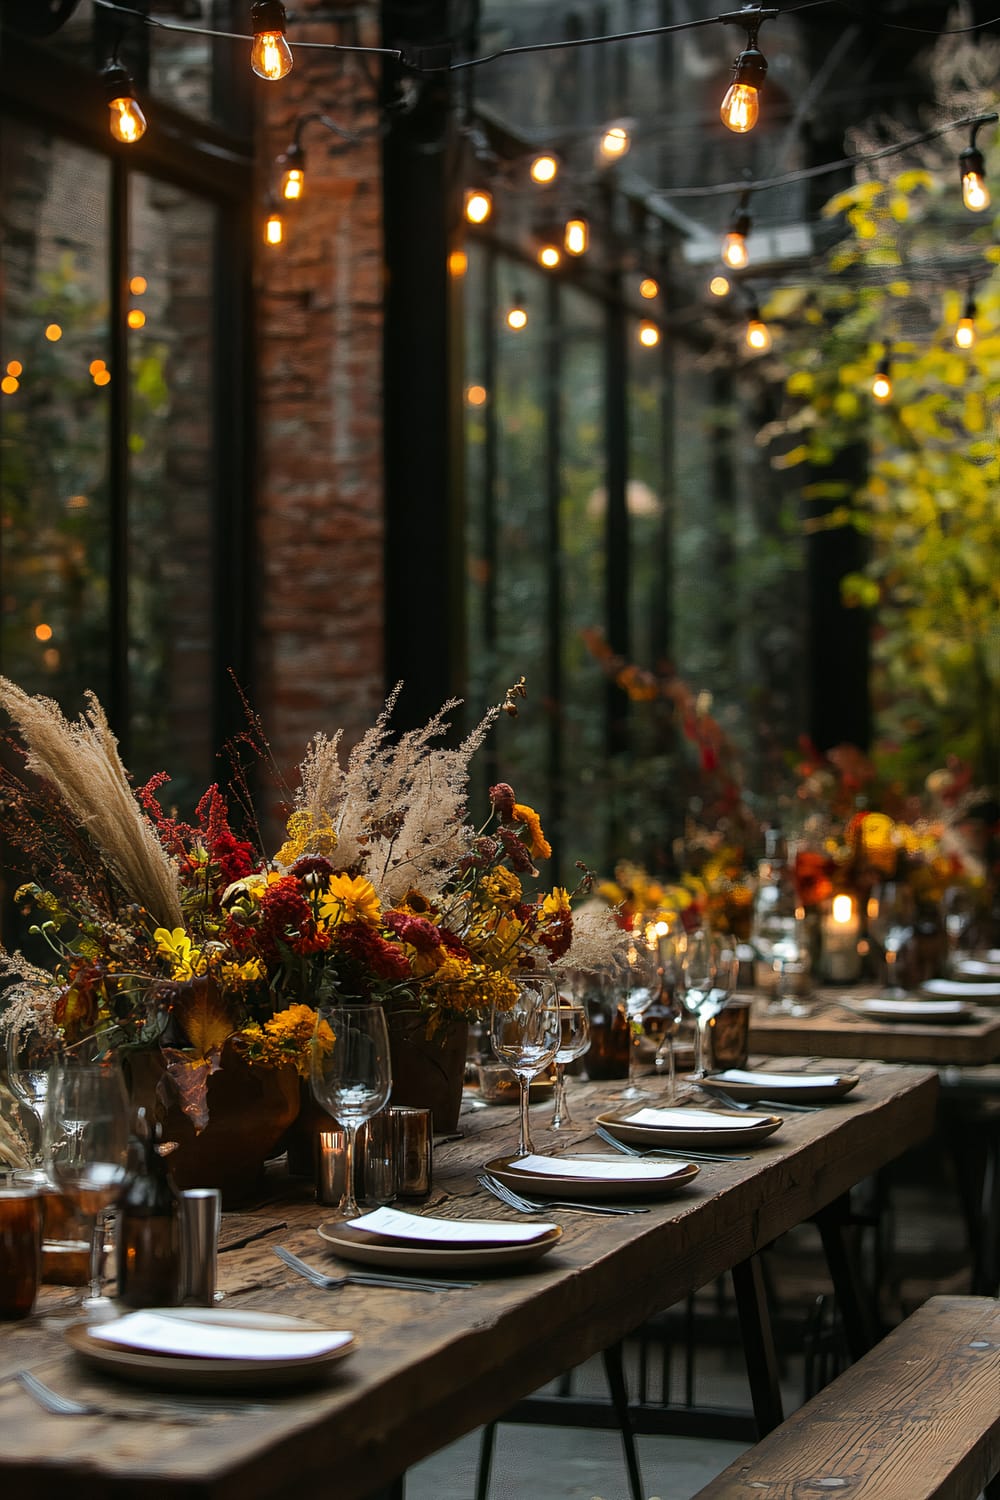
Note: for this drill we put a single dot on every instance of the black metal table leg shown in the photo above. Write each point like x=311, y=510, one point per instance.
x=487, y=1443
x=615, y=1371
x=758, y=1345
x=855, y=1310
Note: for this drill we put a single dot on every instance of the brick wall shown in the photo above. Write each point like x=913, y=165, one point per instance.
x=319, y=347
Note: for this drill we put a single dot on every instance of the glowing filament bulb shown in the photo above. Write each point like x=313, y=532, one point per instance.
x=758, y=335
x=549, y=256
x=478, y=205
x=293, y=184
x=274, y=230
x=649, y=288
x=270, y=54
x=882, y=384
x=734, y=251
x=740, y=108
x=719, y=286
x=649, y=334
x=975, y=193
x=517, y=317
x=615, y=142
x=128, y=123
x=576, y=236
x=965, y=333
x=544, y=169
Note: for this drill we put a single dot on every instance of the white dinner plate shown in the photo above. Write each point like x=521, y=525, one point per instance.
x=689, y=1128
x=923, y=1012
x=161, y=1367
x=370, y=1249
x=961, y=989
x=590, y=1177
x=785, y=1088
x=985, y=969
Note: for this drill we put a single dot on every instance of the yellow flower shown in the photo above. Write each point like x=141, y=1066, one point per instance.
x=556, y=904
x=501, y=889
x=611, y=892
x=186, y=960
x=539, y=844
x=235, y=976
x=305, y=836
x=350, y=898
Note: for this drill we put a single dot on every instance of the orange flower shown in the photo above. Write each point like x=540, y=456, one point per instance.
x=529, y=819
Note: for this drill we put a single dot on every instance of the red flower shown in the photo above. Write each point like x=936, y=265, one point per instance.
x=502, y=798
x=358, y=941
x=416, y=931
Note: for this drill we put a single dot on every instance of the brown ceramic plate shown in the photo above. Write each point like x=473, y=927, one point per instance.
x=707, y=1128
x=783, y=1088
x=396, y=1255
x=187, y=1372
x=610, y=1176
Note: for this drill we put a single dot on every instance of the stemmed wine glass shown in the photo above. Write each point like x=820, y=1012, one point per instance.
x=890, y=923
x=87, y=1135
x=709, y=971
x=574, y=1039
x=351, y=1076
x=642, y=990
x=526, y=1037
x=671, y=1008
x=31, y=1055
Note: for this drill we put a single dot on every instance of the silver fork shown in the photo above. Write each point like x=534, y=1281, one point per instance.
x=57, y=1405
x=367, y=1278
x=751, y=1104
x=629, y=1150
x=532, y=1206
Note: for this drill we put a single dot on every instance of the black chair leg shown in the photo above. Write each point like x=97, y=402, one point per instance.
x=614, y=1369
x=486, y=1445
x=758, y=1345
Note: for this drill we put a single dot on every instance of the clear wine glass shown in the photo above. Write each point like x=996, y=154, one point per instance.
x=574, y=1039
x=670, y=1009
x=351, y=1076
x=31, y=1057
x=526, y=1037
x=641, y=991
x=959, y=906
x=702, y=966
x=890, y=924
x=87, y=1117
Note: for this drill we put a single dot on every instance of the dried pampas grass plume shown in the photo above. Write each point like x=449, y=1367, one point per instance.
x=82, y=764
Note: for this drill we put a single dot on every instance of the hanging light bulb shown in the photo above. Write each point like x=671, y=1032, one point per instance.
x=614, y=143
x=549, y=255
x=882, y=384
x=127, y=123
x=965, y=332
x=274, y=228
x=720, y=286
x=478, y=205
x=293, y=177
x=544, y=168
x=757, y=336
x=517, y=314
x=734, y=245
x=576, y=235
x=649, y=288
x=649, y=334
x=741, y=105
x=975, y=193
x=270, y=54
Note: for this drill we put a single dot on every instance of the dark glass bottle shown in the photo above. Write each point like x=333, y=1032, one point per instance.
x=149, y=1230
x=610, y=1038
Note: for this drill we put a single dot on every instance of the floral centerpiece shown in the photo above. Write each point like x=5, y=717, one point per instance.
x=191, y=939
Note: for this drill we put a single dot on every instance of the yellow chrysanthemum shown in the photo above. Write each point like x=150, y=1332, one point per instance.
x=556, y=904
x=236, y=976
x=350, y=898
x=501, y=889
x=537, y=842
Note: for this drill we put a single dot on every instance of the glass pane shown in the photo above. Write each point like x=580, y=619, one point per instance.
x=171, y=441
x=54, y=354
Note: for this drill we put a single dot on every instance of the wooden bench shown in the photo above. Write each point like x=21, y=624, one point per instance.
x=918, y=1418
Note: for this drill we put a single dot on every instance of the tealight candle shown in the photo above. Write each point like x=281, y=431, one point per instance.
x=839, y=931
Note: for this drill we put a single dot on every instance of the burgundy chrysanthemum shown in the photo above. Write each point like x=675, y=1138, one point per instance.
x=453, y=944
x=517, y=852
x=358, y=941
x=416, y=931
x=309, y=865
x=286, y=915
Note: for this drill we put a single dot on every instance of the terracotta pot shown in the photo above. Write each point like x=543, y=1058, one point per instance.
x=249, y=1110
x=428, y=1072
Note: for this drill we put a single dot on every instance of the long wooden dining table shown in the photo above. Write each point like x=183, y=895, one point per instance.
x=430, y=1366
x=831, y=1027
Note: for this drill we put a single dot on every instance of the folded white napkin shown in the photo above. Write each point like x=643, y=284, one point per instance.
x=691, y=1119
x=428, y=1231
x=587, y=1168
x=778, y=1080
x=171, y=1333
